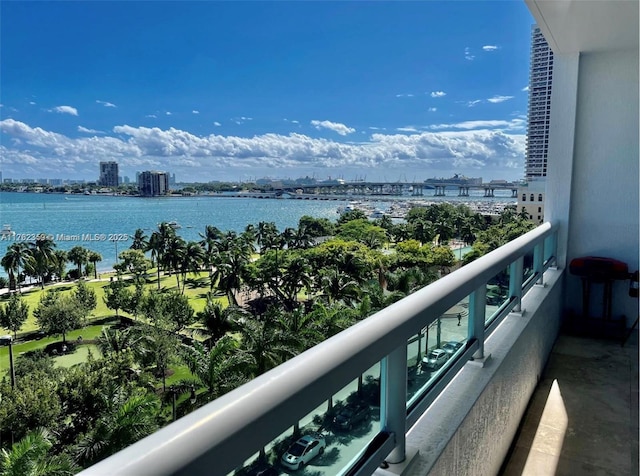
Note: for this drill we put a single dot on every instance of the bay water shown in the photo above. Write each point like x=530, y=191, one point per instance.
x=106, y=224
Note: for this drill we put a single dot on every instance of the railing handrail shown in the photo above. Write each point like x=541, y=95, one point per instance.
x=223, y=433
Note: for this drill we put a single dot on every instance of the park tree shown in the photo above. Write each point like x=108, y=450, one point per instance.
x=349, y=215
x=116, y=295
x=316, y=227
x=86, y=298
x=14, y=314
x=133, y=261
x=31, y=404
x=59, y=314
x=363, y=231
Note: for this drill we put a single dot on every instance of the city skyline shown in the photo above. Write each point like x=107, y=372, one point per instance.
x=219, y=91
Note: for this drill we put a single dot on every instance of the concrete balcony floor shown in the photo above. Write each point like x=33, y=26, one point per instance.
x=583, y=416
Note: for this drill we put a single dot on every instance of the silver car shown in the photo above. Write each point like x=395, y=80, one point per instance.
x=435, y=359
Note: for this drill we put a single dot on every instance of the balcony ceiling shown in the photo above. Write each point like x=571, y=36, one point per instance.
x=585, y=26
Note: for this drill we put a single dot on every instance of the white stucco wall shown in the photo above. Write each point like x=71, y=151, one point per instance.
x=468, y=430
x=604, y=198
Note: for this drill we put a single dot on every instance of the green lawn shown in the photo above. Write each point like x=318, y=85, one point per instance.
x=196, y=290
x=87, y=333
x=79, y=356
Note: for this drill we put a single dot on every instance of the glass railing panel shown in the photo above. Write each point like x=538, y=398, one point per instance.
x=328, y=440
x=431, y=351
x=527, y=267
x=497, y=294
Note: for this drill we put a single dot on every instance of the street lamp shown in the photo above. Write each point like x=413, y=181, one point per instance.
x=7, y=340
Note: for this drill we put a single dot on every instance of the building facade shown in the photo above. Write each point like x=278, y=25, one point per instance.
x=540, y=79
x=153, y=183
x=108, y=174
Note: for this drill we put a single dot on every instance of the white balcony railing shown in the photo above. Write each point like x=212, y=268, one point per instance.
x=225, y=434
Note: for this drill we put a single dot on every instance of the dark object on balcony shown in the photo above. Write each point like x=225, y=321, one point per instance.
x=597, y=270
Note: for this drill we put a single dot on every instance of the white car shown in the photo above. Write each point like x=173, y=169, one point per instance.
x=302, y=451
x=435, y=359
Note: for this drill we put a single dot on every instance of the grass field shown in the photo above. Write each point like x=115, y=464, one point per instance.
x=196, y=290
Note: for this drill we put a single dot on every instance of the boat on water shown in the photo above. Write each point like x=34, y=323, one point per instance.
x=7, y=231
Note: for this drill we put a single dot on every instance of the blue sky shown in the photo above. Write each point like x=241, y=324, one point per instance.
x=242, y=90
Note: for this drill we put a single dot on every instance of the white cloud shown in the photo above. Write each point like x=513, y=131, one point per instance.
x=217, y=124
x=65, y=110
x=105, y=103
x=464, y=147
x=151, y=115
x=168, y=113
x=474, y=102
x=89, y=131
x=404, y=95
x=407, y=129
x=333, y=126
x=514, y=124
x=489, y=47
x=467, y=54
x=195, y=112
x=498, y=99
x=293, y=121
x=526, y=88
x=32, y=103
x=438, y=94
x=433, y=109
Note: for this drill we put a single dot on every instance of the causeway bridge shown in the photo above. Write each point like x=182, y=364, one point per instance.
x=416, y=189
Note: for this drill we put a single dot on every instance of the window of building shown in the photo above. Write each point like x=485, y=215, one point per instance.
x=531, y=197
x=539, y=197
x=539, y=209
x=524, y=197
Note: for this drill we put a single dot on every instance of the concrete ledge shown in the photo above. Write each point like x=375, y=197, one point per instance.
x=469, y=428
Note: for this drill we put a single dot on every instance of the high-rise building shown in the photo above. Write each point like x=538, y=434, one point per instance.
x=153, y=183
x=108, y=174
x=540, y=79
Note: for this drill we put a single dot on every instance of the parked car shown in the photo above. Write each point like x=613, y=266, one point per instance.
x=351, y=416
x=435, y=359
x=304, y=450
x=451, y=347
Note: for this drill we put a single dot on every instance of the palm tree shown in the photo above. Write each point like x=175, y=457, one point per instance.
x=94, y=258
x=113, y=341
x=61, y=263
x=156, y=246
x=15, y=258
x=127, y=419
x=31, y=457
x=140, y=241
x=218, y=369
x=216, y=319
x=266, y=344
x=78, y=255
x=230, y=266
x=192, y=258
x=175, y=248
x=42, y=257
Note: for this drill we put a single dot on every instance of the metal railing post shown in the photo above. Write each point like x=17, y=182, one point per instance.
x=477, y=312
x=393, y=406
x=516, y=271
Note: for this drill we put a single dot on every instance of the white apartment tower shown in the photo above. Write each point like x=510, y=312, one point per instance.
x=540, y=79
